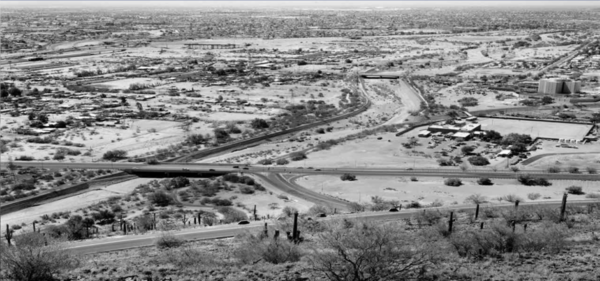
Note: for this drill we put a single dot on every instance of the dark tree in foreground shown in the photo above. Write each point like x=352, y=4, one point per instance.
x=369, y=251
x=36, y=257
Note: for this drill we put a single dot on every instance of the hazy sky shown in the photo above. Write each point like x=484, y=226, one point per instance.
x=299, y=4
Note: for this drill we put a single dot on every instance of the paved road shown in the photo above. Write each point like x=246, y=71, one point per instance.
x=227, y=231
x=195, y=168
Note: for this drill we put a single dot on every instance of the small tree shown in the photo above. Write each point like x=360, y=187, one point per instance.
x=282, y=161
x=573, y=170
x=368, y=251
x=466, y=150
x=475, y=199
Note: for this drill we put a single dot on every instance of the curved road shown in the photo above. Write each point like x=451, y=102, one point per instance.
x=226, y=231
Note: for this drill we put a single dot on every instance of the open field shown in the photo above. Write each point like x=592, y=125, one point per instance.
x=429, y=190
x=536, y=128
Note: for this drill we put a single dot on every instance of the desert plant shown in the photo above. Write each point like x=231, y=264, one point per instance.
x=37, y=257
x=512, y=198
x=553, y=169
x=168, y=240
x=282, y=161
x=289, y=211
x=484, y=181
x=348, y=177
x=368, y=251
x=576, y=190
x=591, y=170
x=478, y=161
x=573, y=170
x=453, y=182
x=593, y=195
x=534, y=196
x=476, y=199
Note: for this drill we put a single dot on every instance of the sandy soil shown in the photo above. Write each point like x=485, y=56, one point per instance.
x=427, y=190
x=536, y=128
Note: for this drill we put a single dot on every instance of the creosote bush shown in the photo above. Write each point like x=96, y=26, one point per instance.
x=575, y=190
x=453, y=182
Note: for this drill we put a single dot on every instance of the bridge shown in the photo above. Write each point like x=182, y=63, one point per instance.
x=206, y=46
x=379, y=76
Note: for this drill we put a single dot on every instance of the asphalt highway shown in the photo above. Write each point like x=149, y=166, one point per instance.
x=196, y=168
x=226, y=231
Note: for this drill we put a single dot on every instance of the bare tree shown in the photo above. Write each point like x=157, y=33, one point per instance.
x=35, y=257
x=369, y=251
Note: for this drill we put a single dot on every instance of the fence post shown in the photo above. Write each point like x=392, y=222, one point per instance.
x=477, y=212
x=33, y=226
x=525, y=228
x=563, y=207
x=481, y=226
x=255, y=212
x=516, y=205
x=450, y=222
x=514, y=225
x=154, y=221
x=295, y=229
x=276, y=235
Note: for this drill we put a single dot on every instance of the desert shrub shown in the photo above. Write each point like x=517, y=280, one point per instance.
x=161, y=198
x=576, y=190
x=591, y=170
x=573, y=170
x=453, y=182
x=259, y=187
x=484, y=181
x=413, y=179
x=478, y=161
x=379, y=251
x=114, y=155
x=468, y=101
x=58, y=156
x=168, y=240
x=25, y=158
x=318, y=209
x=593, y=195
x=36, y=258
x=427, y=217
x=534, y=196
x=499, y=239
x=255, y=248
x=246, y=190
x=445, y=162
x=512, y=198
x=475, y=199
x=289, y=211
x=297, y=156
x=231, y=214
x=554, y=169
x=282, y=161
x=265, y=161
x=529, y=180
x=348, y=177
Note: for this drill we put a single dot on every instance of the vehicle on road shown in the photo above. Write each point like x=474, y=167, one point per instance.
x=185, y=169
x=317, y=169
x=245, y=168
x=236, y=167
x=243, y=222
x=211, y=170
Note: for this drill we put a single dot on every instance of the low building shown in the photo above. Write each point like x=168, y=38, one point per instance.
x=424, y=133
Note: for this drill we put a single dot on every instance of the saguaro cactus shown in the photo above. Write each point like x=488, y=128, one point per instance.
x=295, y=229
x=563, y=207
x=8, y=235
x=450, y=222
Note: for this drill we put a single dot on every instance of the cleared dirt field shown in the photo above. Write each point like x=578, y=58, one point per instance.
x=536, y=128
x=427, y=190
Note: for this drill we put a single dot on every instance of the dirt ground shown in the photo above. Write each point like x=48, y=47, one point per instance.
x=428, y=190
x=536, y=128
x=73, y=203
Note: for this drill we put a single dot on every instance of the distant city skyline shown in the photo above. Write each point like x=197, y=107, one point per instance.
x=299, y=4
